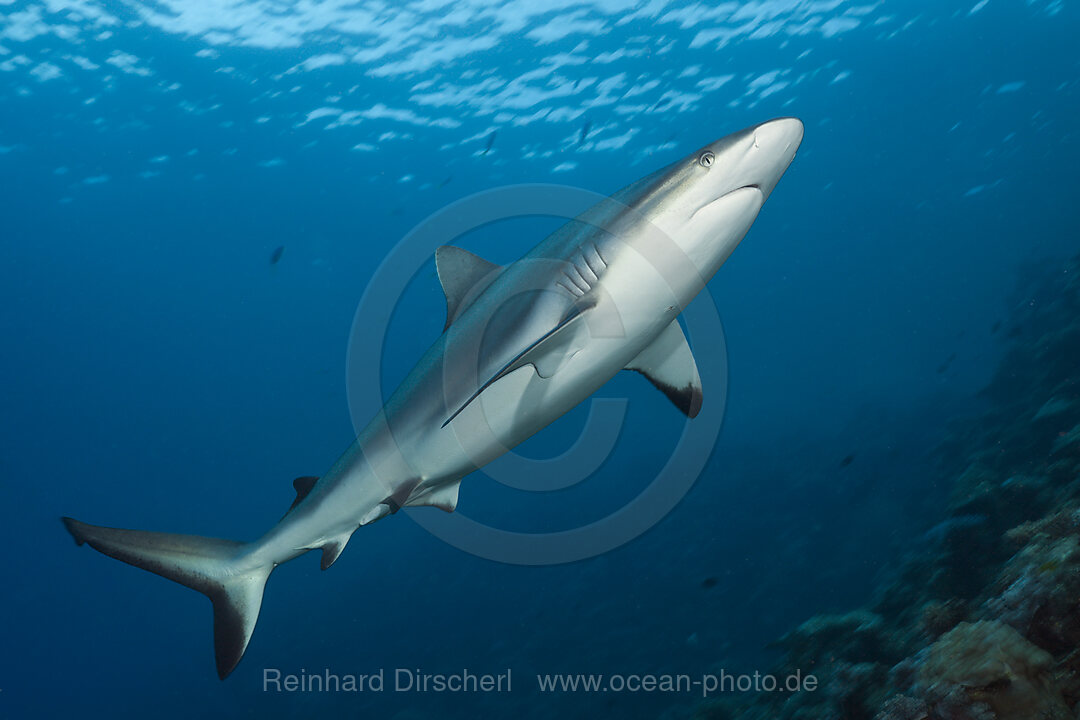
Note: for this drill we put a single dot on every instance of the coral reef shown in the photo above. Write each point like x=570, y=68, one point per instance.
x=982, y=620
x=856, y=637
x=987, y=669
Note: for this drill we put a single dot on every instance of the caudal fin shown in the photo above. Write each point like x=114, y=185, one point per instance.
x=213, y=567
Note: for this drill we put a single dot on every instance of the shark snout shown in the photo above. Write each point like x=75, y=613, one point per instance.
x=781, y=136
x=774, y=144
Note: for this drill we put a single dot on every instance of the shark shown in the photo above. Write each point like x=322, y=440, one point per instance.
x=523, y=344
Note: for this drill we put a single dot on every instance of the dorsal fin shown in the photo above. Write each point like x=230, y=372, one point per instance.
x=670, y=366
x=303, y=486
x=463, y=277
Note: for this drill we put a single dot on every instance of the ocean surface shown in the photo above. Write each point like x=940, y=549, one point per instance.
x=196, y=195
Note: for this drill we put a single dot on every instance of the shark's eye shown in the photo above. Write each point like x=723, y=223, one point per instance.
x=706, y=159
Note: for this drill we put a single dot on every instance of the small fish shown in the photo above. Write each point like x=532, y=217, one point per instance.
x=710, y=582
x=585, y=132
x=1015, y=331
x=847, y=460
x=276, y=255
x=445, y=182
x=995, y=327
x=490, y=142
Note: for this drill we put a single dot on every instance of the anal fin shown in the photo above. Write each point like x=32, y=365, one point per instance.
x=331, y=551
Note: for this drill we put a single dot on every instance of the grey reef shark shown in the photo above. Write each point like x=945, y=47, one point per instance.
x=522, y=345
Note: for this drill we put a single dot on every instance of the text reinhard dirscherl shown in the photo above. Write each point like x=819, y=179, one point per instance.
x=402, y=680
x=415, y=680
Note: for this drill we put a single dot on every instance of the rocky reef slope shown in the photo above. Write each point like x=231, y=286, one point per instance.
x=985, y=624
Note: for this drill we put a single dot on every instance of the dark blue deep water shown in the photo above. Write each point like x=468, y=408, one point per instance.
x=166, y=367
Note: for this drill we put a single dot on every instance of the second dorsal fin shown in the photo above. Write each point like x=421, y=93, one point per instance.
x=463, y=276
x=303, y=486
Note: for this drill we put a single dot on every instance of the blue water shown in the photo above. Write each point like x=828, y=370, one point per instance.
x=161, y=373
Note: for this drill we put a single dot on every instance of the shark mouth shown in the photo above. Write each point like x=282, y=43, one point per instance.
x=727, y=196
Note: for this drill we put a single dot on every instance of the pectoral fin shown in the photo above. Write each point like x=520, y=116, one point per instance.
x=545, y=354
x=670, y=366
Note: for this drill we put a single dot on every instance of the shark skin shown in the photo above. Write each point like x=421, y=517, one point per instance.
x=523, y=344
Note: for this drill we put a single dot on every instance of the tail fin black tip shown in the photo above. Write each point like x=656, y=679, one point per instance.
x=229, y=640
